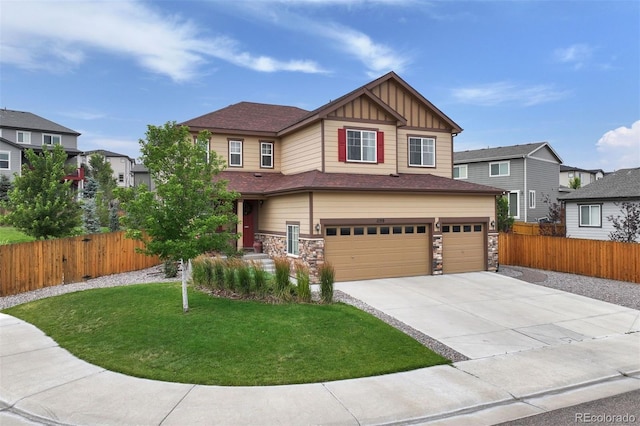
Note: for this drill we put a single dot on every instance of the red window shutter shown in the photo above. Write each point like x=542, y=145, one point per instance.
x=342, y=145
x=380, y=143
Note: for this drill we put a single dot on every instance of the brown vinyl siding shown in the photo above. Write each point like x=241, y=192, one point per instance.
x=276, y=212
x=250, y=151
x=302, y=150
x=444, y=161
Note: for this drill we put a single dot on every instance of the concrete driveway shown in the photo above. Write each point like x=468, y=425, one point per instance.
x=484, y=314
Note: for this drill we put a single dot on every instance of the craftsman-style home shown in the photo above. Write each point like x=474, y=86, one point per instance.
x=364, y=182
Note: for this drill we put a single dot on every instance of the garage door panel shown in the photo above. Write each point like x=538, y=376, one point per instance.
x=463, y=248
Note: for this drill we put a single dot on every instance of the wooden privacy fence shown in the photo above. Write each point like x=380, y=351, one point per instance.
x=528, y=228
x=31, y=266
x=595, y=258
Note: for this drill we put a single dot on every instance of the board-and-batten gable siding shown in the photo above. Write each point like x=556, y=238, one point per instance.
x=302, y=150
x=332, y=163
x=444, y=160
x=275, y=212
x=411, y=108
x=361, y=108
x=349, y=205
x=250, y=151
x=542, y=177
x=592, y=233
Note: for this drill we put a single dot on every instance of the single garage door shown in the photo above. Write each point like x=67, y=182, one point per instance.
x=378, y=251
x=463, y=248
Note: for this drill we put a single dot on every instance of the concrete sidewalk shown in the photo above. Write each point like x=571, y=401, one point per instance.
x=42, y=382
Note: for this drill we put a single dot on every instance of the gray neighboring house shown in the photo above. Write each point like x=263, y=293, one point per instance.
x=141, y=176
x=567, y=173
x=121, y=164
x=526, y=172
x=21, y=130
x=587, y=208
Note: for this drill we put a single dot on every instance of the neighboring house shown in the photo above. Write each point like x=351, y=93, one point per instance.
x=527, y=172
x=364, y=182
x=587, y=208
x=21, y=130
x=121, y=164
x=567, y=173
x=142, y=176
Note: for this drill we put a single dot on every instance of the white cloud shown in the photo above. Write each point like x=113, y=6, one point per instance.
x=576, y=55
x=57, y=35
x=507, y=93
x=620, y=148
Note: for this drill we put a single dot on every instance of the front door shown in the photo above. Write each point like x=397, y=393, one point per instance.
x=248, y=223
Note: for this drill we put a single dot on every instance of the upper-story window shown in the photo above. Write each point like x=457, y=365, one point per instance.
x=23, y=137
x=361, y=146
x=204, y=144
x=500, y=168
x=121, y=177
x=266, y=155
x=460, y=171
x=49, y=139
x=422, y=152
x=235, y=153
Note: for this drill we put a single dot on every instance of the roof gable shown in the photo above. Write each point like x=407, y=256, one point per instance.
x=29, y=121
x=624, y=183
x=504, y=153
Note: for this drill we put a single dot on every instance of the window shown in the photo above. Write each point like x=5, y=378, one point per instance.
x=293, y=235
x=460, y=172
x=5, y=160
x=331, y=232
x=204, y=144
x=361, y=146
x=397, y=229
x=514, y=204
x=121, y=177
x=23, y=137
x=499, y=169
x=48, y=139
x=358, y=230
x=235, y=153
x=590, y=215
x=422, y=152
x=372, y=230
x=532, y=199
x=266, y=155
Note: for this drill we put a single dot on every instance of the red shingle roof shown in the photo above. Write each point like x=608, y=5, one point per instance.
x=249, y=116
x=250, y=183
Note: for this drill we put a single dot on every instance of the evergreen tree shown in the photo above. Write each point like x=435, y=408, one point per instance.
x=505, y=221
x=5, y=188
x=89, y=207
x=42, y=204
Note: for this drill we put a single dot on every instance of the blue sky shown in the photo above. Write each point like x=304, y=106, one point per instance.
x=508, y=72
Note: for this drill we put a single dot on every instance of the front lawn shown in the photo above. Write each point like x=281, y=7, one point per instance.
x=141, y=331
x=10, y=235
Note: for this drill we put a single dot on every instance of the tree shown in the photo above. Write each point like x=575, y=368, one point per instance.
x=42, y=204
x=627, y=226
x=5, y=188
x=100, y=170
x=552, y=224
x=575, y=183
x=191, y=211
x=505, y=221
x=89, y=208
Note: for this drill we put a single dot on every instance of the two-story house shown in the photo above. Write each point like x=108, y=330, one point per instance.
x=364, y=182
x=21, y=130
x=568, y=173
x=122, y=165
x=528, y=173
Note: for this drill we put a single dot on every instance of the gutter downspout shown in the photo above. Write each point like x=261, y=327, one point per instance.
x=526, y=193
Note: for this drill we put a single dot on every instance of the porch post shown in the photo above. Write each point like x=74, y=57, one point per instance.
x=240, y=225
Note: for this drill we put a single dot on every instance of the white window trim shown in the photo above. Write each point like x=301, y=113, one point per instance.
x=263, y=155
x=375, y=146
x=422, y=146
x=508, y=163
x=293, y=231
x=8, y=160
x=207, y=146
x=231, y=164
x=52, y=135
x=532, y=199
x=24, y=133
x=517, y=216
x=591, y=224
x=461, y=167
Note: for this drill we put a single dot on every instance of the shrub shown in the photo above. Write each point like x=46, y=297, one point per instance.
x=243, y=276
x=327, y=278
x=283, y=270
x=259, y=278
x=302, y=277
x=170, y=268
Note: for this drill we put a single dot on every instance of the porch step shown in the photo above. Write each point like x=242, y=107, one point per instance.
x=267, y=263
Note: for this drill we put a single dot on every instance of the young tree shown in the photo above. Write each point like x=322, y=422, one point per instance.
x=100, y=170
x=575, y=183
x=42, y=204
x=89, y=208
x=191, y=211
x=5, y=188
x=505, y=221
x=627, y=226
x=553, y=224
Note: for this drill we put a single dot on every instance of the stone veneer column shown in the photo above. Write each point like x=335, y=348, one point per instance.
x=437, y=255
x=492, y=251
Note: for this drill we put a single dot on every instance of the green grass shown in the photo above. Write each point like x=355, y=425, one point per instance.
x=10, y=235
x=141, y=331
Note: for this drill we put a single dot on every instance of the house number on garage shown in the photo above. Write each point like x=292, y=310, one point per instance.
x=379, y=220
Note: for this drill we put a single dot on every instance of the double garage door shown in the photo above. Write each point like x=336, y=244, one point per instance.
x=360, y=252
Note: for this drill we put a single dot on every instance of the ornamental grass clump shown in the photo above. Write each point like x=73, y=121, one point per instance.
x=202, y=272
x=230, y=276
x=218, y=277
x=302, y=278
x=327, y=278
x=244, y=278
x=283, y=270
x=260, y=277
